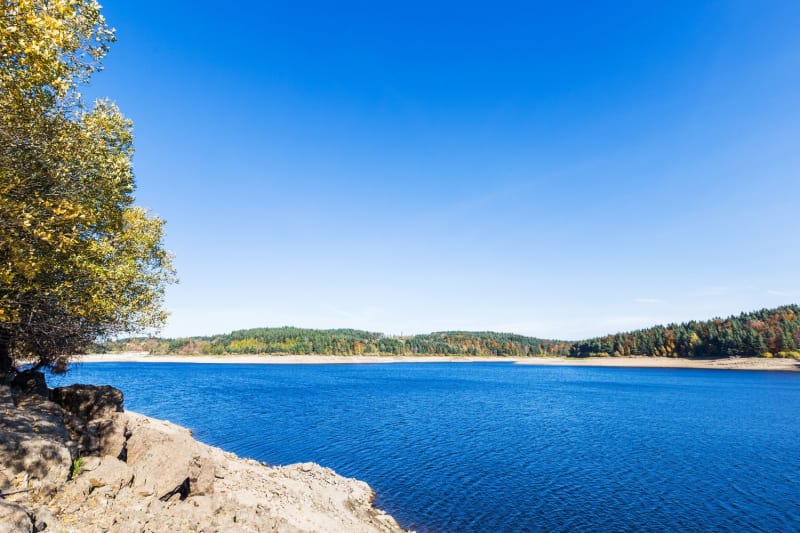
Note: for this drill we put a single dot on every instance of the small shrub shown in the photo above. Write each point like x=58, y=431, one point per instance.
x=767, y=355
x=77, y=467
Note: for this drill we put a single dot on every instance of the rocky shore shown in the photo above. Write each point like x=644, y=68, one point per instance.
x=72, y=460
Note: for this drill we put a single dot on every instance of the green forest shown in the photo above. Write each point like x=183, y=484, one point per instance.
x=764, y=333
x=288, y=340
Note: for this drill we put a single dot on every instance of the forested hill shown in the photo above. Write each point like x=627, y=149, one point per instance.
x=765, y=333
x=288, y=340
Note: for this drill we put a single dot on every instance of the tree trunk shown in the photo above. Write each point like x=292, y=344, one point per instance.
x=6, y=364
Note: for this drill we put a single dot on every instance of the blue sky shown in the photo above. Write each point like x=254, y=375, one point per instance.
x=559, y=169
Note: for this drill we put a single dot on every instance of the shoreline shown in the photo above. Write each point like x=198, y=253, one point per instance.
x=731, y=363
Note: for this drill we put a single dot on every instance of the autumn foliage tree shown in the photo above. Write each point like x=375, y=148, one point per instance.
x=754, y=334
x=78, y=261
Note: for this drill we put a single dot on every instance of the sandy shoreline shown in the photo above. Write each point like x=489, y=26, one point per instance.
x=730, y=363
x=733, y=363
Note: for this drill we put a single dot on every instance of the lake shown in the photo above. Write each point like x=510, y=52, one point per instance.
x=452, y=447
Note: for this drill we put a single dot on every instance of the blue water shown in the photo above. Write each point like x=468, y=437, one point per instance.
x=502, y=447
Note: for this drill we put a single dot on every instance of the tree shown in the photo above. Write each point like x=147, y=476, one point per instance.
x=78, y=261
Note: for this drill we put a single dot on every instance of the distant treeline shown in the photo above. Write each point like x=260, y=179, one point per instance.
x=765, y=333
x=299, y=341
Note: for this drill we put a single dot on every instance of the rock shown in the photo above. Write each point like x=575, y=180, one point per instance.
x=164, y=455
x=35, y=448
x=44, y=521
x=45, y=463
x=93, y=419
x=31, y=382
x=14, y=519
x=89, y=401
x=102, y=472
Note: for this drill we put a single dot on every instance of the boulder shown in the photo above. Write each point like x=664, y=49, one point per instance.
x=39, y=465
x=164, y=455
x=30, y=382
x=35, y=448
x=14, y=519
x=92, y=417
x=44, y=520
x=89, y=401
x=106, y=473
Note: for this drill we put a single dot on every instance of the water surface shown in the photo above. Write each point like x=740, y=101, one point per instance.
x=502, y=447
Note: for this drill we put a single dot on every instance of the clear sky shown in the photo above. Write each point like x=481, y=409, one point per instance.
x=556, y=169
